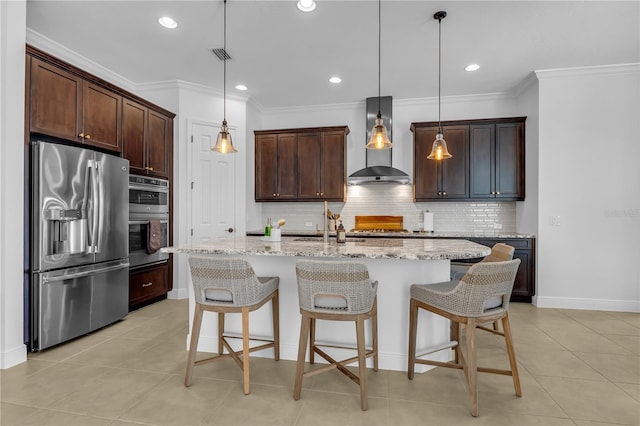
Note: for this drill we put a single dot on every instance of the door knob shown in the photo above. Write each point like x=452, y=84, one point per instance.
x=230, y=230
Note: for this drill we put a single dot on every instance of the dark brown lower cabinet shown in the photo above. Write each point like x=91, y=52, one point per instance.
x=147, y=285
x=524, y=287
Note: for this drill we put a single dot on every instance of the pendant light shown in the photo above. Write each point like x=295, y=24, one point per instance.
x=439, y=148
x=224, y=145
x=379, y=137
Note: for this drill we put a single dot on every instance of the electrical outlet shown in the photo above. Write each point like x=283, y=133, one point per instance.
x=554, y=220
x=308, y=224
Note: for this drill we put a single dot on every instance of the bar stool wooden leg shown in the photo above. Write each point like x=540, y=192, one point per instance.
x=305, y=323
x=193, y=344
x=362, y=362
x=506, y=326
x=220, y=332
x=275, y=304
x=245, y=349
x=374, y=330
x=312, y=339
x=413, y=325
x=455, y=336
x=472, y=365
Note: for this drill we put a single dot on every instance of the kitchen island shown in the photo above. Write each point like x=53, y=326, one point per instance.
x=395, y=263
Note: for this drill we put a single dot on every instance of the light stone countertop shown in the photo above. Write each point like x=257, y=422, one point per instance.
x=370, y=248
x=419, y=235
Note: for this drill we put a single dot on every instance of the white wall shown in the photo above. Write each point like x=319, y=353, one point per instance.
x=12, y=51
x=254, y=210
x=589, y=177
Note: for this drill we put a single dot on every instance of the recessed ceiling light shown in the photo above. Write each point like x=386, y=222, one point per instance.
x=307, y=5
x=167, y=22
x=241, y=87
x=472, y=67
x=335, y=80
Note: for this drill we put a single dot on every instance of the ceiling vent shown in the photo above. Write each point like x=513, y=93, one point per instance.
x=222, y=54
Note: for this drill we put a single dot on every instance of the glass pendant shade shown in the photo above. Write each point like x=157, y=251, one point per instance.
x=224, y=145
x=439, y=149
x=379, y=137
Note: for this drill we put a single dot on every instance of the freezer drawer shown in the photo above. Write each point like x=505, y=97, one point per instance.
x=75, y=301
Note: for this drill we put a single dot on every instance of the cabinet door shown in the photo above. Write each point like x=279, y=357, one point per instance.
x=333, y=166
x=266, y=147
x=158, y=143
x=455, y=170
x=509, y=161
x=481, y=161
x=523, y=286
x=102, y=117
x=309, y=165
x=55, y=101
x=287, y=168
x=134, y=123
x=425, y=172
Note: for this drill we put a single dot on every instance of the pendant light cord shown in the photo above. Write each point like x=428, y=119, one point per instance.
x=439, y=69
x=379, y=50
x=224, y=67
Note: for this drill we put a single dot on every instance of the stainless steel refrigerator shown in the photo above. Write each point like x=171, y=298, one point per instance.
x=79, y=242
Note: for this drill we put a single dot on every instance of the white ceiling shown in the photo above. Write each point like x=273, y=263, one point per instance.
x=285, y=56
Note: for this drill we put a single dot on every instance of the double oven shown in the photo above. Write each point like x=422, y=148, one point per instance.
x=148, y=202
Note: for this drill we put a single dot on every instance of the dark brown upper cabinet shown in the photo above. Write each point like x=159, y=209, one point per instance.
x=65, y=105
x=147, y=139
x=301, y=164
x=445, y=179
x=497, y=160
x=276, y=167
x=488, y=160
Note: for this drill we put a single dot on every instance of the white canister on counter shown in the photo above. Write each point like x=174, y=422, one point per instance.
x=428, y=221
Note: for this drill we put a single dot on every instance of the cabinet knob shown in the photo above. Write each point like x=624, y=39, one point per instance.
x=274, y=194
x=498, y=193
x=444, y=192
x=322, y=193
x=87, y=136
x=277, y=195
x=230, y=230
x=81, y=135
x=317, y=193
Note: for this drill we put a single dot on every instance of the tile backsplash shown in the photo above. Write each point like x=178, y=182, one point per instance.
x=397, y=200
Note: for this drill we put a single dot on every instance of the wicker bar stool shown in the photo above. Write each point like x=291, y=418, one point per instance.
x=229, y=285
x=499, y=253
x=336, y=291
x=481, y=296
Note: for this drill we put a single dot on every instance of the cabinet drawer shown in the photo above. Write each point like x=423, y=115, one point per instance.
x=148, y=284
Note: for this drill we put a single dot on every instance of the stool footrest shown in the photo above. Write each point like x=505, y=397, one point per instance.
x=448, y=345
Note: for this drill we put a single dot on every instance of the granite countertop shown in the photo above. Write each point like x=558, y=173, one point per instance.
x=406, y=235
x=370, y=248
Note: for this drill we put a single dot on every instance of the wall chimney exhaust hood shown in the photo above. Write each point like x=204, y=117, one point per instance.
x=378, y=162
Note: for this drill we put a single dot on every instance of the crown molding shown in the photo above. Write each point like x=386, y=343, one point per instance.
x=587, y=71
x=56, y=49
x=528, y=81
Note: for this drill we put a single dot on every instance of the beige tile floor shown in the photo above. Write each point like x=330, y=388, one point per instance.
x=577, y=368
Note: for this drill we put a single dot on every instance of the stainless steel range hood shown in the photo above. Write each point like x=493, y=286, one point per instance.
x=378, y=162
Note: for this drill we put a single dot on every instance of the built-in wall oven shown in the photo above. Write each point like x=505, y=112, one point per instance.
x=148, y=203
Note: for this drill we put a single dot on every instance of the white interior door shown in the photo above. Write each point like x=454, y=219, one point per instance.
x=212, y=186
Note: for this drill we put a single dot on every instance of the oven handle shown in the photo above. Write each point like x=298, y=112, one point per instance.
x=151, y=188
x=144, y=222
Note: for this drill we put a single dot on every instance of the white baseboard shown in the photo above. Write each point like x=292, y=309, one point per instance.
x=13, y=357
x=587, y=304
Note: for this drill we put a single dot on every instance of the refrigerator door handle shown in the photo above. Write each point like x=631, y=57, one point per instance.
x=73, y=275
x=99, y=214
x=92, y=165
